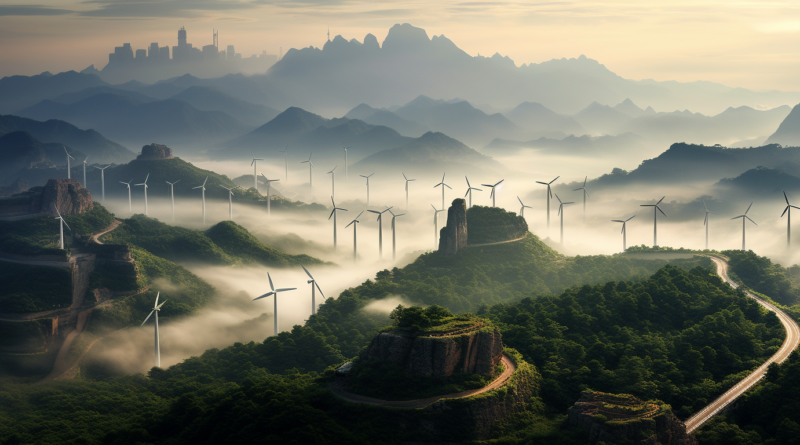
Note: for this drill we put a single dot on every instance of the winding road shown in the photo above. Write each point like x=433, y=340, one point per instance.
x=789, y=344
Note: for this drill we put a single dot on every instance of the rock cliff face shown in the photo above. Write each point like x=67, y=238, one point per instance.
x=476, y=352
x=155, y=151
x=453, y=236
x=625, y=419
x=68, y=195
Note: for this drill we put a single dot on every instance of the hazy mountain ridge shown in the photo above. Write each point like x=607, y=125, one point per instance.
x=206, y=98
x=20, y=151
x=788, y=132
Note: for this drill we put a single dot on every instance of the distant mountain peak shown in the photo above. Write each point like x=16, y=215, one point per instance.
x=404, y=37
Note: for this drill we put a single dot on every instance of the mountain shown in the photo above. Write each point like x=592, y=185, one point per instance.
x=387, y=118
x=788, y=132
x=89, y=142
x=572, y=145
x=431, y=152
x=536, y=118
x=630, y=109
x=133, y=96
x=17, y=92
x=601, y=119
x=20, y=151
x=169, y=121
x=237, y=86
x=211, y=99
x=761, y=181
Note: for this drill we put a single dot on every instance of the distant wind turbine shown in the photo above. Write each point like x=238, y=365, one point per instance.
x=744, y=216
x=394, y=241
x=130, y=203
x=656, y=209
x=62, y=223
x=274, y=292
x=522, y=209
x=172, y=195
x=355, y=223
x=103, y=180
x=269, y=201
x=286, y=163
x=333, y=182
x=310, y=168
x=380, y=229
x=585, y=195
x=203, y=190
x=144, y=184
x=561, y=212
x=230, y=202
x=254, y=164
x=84, y=171
x=706, y=221
x=367, y=178
x=345, y=159
x=624, y=231
x=407, y=181
x=443, y=185
x=69, y=173
x=470, y=188
x=156, y=309
x=436, y=226
x=549, y=195
x=492, y=194
x=313, y=284
x=788, y=212
x=333, y=214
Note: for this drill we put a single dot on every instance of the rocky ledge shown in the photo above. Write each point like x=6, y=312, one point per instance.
x=155, y=152
x=68, y=195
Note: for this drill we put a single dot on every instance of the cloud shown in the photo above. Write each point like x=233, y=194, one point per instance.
x=169, y=8
x=31, y=10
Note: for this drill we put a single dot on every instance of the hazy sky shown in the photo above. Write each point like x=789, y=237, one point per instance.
x=739, y=43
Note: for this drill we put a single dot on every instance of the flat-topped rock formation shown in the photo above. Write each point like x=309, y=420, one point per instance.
x=68, y=195
x=155, y=152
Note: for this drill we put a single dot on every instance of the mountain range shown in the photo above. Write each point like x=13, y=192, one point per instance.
x=21, y=152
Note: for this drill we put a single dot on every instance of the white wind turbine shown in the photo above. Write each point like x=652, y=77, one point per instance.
x=269, y=202
x=492, y=194
x=103, y=180
x=367, y=178
x=394, y=240
x=706, y=221
x=585, y=195
x=380, y=229
x=549, y=195
x=84, y=171
x=156, y=309
x=172, y=195
x=203, y=190
x=561, y=212
x=522, y=209
x=443, y=185
x=355, y=223
x=345, y=160
x=130, y=203
x=254, y=164
x=436, y=226
x=333, y=214
x=788, y=212
x=744, y=216
x=470, y=188
x=313, y=284
x=62, y=223
x=144, y=184
x=274, y=292
x=333, y=182
x=286, y=162
x=310, y=168
x=656, y=209
x=407, y=181
x=230, y=201
x=624, y=231
x=69, y=173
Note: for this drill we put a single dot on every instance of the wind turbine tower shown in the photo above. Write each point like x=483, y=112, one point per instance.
x=470, y=188
x=172, y=195
x=333, y=214
x=130, y=203
x=656, y=209
x=407, y=181
x=522, y=209
x=436, y=226
x=624, y=231
x=585, y=195
x=230, y=202
x=443, y=185
x=333, y=182
x=254, y=164
x=144, y=184
x=394, y=241
x=69, y=172
x=345, y=160
x=310, y=168
x=103, y=180
x=62, y=223
x=549, y=195
x=788, y=212
x=706, y=221
x=269, y=200
x=367, y=178
x=203, y=190
x=156, y=309
x=492, y=194
x=744, y=216
x=380, y=229
x=313, y=284
x=84, y=171
x=561, y=212
x=274, y=292
x=354, y=223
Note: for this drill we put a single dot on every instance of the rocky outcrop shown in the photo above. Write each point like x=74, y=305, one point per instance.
x=623, y=418
x=155, y=152
x=68, y=195
x=475, y=352
x=453, y=236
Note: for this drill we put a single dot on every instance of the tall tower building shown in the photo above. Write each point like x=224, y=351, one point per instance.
x=153, y=51
x=231, y=52
x=182, y=37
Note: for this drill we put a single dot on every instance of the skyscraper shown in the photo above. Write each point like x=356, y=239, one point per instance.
x=231, y=52
x=182, y=37
x=153, y=51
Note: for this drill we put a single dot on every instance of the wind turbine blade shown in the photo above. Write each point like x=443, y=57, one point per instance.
x=465, y=194
x=434, y=207
x=264, y=296
x=451, y=188
x=404, y=177
x=787, y=199
x=332, y=212
x=319, y=289
x=148, y=317
x=750, y=220
x=359, y=215
x=56, y=209
x=487, y=185
x=740, y=216
x=520, y=201
x=705, y=206
x=662, y=212
x=559, y=199
x=634, y=216
x=784, y=211
x=538, y=182
x=65, y=223
x=554, y=180
x=748, y=208
x=285, y=289
x=155, y=305
x=465, y=177
x=795, y=207
x=617, y=220
x=659, y=201
x=373, y=211
x=204, y=182
x=270, y=282
x=705, y=220
x=307, y=272
x=162, y=303
x=584, y=181
x=498, y=182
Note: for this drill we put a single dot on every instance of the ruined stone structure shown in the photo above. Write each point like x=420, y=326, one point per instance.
x=155, y=152
x=453, y=236
x=475, y=352
x=68, y=195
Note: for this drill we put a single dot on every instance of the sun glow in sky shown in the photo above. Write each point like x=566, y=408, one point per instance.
x=738, y=43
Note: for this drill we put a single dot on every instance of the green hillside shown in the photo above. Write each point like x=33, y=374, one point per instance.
x=24, y=290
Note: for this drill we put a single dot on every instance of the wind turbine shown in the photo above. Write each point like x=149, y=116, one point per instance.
x=62, y=223
x=743, y=222
x=436, y=226
x=367, y=177
x=549, y=195
x=172, y=195
x=145, y=192
x=443, y=186
x=203, y=190
x=286, y=162
x=230, y=201
x=656, y=209
x=407, y=181
x=788, y=210
x=254, y=163
x=624, y=231
x=522, y=209
x=69, y=173
x=333, y=214
x=269, y=181
x=84, y=171
x=585, y=195
x=394, y=242
x=469, y=191
x=561, y=212
x=274, y=292
x=103, y=180
x=492, y=195
x=310, y=167
x=156, y=309
x=345, y=160
x=354, y=223
x=706, y=221
x=380, y=229
x=333, y=182
x=130, y=204
x=313, y=284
